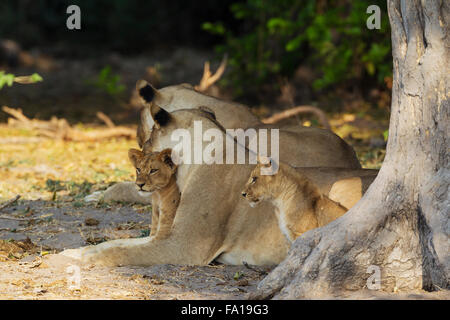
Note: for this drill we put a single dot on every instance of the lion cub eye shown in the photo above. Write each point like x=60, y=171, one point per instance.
x=153, y=171
x=138, y=170
x=254, y=179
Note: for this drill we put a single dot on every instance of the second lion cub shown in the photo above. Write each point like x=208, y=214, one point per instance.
x=302, y=196
x=156, y=175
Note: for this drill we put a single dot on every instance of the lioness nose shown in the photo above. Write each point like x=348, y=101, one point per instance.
x=140, y=185
x=244, y=194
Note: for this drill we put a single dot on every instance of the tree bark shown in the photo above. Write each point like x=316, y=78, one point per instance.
x=401, y=225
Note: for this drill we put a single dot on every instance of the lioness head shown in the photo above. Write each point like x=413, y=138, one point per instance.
x=258, y=186
x=166, y=123
x=155, y=103
x=153, y=170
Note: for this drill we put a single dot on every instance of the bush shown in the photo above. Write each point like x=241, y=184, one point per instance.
x=277, y=36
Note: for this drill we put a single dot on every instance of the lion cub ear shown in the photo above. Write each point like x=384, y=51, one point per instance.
x=135, y=155
x=166, y=157
x=264, y=161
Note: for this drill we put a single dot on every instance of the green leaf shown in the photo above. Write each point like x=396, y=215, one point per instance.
x=214, y=28
x=238, y=275
x=6, y=79
x=36, y=78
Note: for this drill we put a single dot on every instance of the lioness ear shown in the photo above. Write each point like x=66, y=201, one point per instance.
x=146, y=91
x=166, y=157
x=265, y=161
x=159, y=115
x=134, y=156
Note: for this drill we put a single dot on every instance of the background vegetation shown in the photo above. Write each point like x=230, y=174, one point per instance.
x=322, y=42
x=276, y=37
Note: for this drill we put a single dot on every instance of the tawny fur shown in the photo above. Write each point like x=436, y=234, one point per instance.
x=213, y=221
x=162, y=185
x=300, y=204
x=299, y=146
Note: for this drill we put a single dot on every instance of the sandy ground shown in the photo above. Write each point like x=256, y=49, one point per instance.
x=33, y=231
x=29, y=269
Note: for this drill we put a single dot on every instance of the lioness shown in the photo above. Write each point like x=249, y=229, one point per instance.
x=156, y=176
x=213, y=221
x=183, y=96
x=295, y=141
x=301, y=204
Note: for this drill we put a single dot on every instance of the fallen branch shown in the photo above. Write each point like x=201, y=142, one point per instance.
x=9, y=202
x=107, y=120
x=208, y=79
x=60, y=129
x=300, y=109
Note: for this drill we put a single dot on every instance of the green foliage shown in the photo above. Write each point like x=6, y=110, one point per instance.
x=386, y=134
x=109, y=82
x=36, y=78
x=277, y=36
x=8, y=79
x=78, y=190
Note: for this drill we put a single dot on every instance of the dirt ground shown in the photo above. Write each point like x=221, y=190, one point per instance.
x=36, y=230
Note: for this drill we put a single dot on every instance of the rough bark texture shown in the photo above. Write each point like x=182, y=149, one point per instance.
x=402, y=223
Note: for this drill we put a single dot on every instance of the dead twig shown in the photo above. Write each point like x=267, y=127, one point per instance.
x=16, y=114
x=9, y=202
x=13, y=218
x=208, y=79
x=107, y=120
x=60, y=129
x=24, y=79
x=300, y=109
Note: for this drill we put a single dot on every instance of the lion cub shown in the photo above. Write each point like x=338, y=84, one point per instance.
x=301, y=204
x=156, y=174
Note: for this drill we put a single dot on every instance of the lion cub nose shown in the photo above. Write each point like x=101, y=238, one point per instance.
x=244, y=194
x=140, y=185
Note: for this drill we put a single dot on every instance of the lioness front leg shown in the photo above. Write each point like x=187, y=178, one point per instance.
x=139, y=252
x=196, y=238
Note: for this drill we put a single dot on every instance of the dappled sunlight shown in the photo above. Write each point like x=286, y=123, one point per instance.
x=50, y=169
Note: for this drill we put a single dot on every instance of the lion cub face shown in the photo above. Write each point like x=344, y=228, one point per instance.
x=258, y=186
x=154, y=170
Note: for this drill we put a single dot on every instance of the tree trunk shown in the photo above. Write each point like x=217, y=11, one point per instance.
x=401, y=225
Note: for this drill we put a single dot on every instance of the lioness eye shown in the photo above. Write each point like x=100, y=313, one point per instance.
x=254, y=179
x=153, y=171
x=138, y=170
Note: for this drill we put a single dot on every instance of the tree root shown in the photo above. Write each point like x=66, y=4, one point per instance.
x=345, y=255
